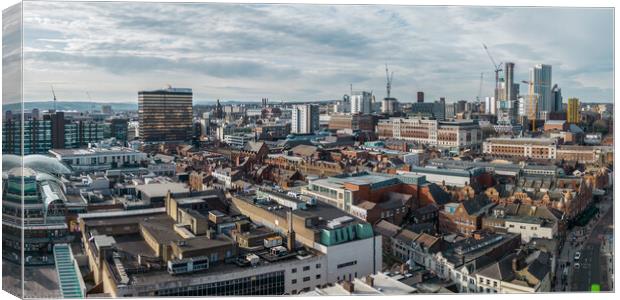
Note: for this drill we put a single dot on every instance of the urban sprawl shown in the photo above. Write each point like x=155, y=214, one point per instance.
x=356, y=196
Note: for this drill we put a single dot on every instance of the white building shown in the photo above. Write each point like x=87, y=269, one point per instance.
x=361, y=102
x=238, y=140
x=99, y=159
x=531, y=227
x=305, y=118
x=490, y=106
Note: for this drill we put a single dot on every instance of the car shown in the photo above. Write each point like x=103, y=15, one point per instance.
x=577, y=265
x=577, y=255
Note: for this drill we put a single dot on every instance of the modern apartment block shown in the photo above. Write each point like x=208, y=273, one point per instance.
x=572, y=112
x=165, y=115
x=361, y=102
x=305, y=118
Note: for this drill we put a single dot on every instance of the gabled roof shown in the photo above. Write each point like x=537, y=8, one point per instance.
x=386, y=228
x=439, y=195
x=501, y=270
x=476, y=205
x=253, y=146
x=407, y=236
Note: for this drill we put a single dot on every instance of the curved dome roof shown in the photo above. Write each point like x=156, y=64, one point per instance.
x=36, y=162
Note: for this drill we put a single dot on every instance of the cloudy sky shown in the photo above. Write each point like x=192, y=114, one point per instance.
x=306, y=52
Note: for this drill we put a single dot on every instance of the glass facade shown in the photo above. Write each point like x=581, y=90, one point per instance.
x=268, y=284
x=165, y=115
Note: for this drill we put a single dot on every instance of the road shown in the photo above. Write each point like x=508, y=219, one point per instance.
x=592, y=268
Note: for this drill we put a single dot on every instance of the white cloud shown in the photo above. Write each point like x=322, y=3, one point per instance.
x=306, y=52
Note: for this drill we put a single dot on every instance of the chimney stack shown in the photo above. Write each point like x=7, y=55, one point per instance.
x=348, y=286
x=290, y=238
x=370, y=280
x=404, y=268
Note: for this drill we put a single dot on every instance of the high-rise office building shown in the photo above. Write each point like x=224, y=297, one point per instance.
x=305, y=118
x=165, y=115
x=361, y=102
x=556, y=93
x=509, y=93
x=540, y=75
x=119, y=129
x=389, y=105
x=420, y=97
x=37, y=133
x=490, y=106
x=572, y=112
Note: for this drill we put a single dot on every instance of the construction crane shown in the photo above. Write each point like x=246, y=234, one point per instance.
x=388, y=77
x=92, y=105
x=533, y=103
x=54, y=94
x=497, y=69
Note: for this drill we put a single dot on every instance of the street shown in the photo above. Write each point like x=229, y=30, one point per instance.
x=590, y=268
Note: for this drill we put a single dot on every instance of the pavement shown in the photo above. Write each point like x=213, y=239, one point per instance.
x=592, y=264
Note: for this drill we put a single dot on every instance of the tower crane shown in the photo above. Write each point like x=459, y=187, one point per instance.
x=54, y=94
x=388, y=77
x=497, y=68
x=480, y=87
x=533, y=103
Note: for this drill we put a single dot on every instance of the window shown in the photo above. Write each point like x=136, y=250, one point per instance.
x=294, y=270
x=351, y=263
x=294, y=281
x=318, y=266
x=318, y=276
x=307, y=278
x=306, y=268
x=294, y=292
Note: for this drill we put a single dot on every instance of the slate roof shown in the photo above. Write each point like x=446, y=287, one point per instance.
x=386, y=228
x=439, y=195
x=253, y=146
x=477, y=205
x=501, y=270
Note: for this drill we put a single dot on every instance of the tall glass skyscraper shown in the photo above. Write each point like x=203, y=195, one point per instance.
x=165, y=115
x=540, y=75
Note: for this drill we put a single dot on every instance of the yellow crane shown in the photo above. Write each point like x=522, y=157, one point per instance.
x=533, y=104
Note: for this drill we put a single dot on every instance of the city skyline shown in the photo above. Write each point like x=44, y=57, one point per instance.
x=247, y=52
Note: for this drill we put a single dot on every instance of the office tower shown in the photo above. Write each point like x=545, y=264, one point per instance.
x=450, y=111
x=345, y=106
x=37, y=134
x=420, y=97
x=305, y=118
x=509, y=93
x=572, y=113
x=490, y=106
x=557, y=98
x=540, y=75
x=119, y=128
x=389, y=105
x=264, y=102
x=461, y=106
x=165, y=115
x=361, y=102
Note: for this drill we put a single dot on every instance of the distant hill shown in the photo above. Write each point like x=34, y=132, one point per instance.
x=70, y=105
